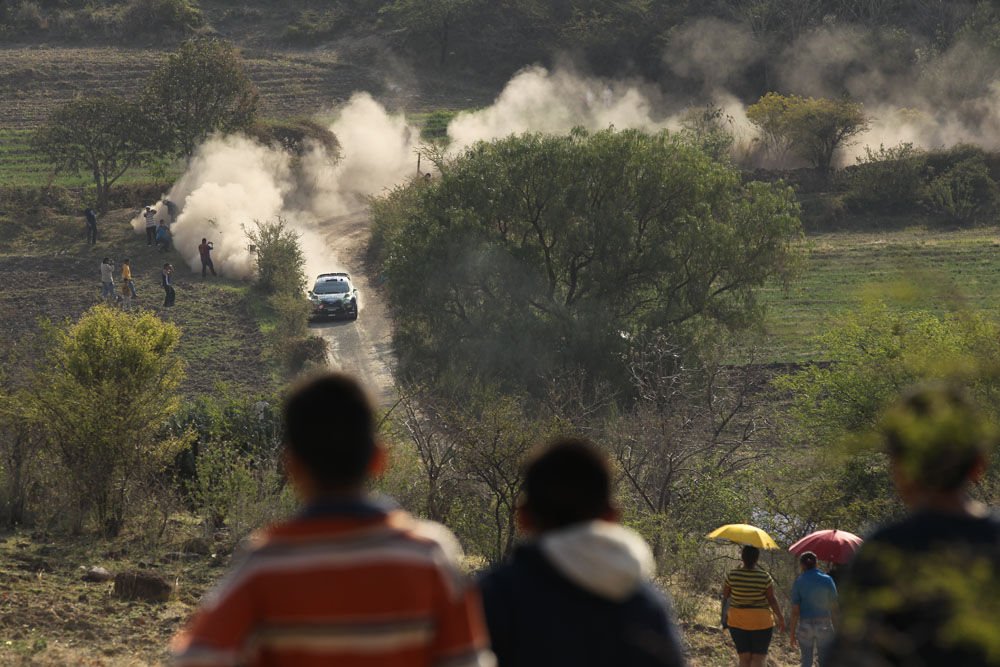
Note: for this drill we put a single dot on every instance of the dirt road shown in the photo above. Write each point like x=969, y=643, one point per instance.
x=362, y=347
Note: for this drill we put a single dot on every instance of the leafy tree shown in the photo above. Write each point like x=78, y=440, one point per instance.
x=964, y=191
x=812, y=128
x=536, y=254
x=470, y=453
x=434, y=19
x=202, y=88
x=280, y=262
x=103, y=136
x=879, y=353
x=102, y=401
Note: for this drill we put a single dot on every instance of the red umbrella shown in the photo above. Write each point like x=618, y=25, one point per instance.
x=835, y=546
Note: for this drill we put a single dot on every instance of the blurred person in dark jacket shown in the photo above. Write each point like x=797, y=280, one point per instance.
x=926, y=590
x=578, y=592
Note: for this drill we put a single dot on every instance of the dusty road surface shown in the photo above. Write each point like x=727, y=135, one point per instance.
x=363, y=347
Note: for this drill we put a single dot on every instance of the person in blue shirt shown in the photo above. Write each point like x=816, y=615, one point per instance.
x=814, y=604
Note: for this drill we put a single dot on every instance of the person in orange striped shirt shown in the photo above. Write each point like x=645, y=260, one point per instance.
x=350, y=581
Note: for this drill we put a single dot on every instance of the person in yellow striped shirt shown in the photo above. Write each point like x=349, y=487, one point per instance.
x=753, y=609
x=128, y=287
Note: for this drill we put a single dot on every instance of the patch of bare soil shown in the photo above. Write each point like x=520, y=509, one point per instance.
x=49, y=616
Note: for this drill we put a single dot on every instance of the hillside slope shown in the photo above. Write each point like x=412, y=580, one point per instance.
x=54, y=275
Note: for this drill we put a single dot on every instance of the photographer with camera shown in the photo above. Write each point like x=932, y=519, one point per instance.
x=205, y=250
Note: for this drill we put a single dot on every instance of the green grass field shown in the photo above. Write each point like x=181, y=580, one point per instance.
x=908, y=269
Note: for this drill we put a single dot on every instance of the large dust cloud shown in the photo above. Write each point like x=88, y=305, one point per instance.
x=932, y=102
x=233, y=181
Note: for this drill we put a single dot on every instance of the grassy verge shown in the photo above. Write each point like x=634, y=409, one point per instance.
x=908, y=269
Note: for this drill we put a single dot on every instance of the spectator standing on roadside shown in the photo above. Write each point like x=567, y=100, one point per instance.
x=128, y=287
x=171, y=210
x=205, y=251
x=166, y=279
x=150, y=217
x=107, y=279
x=814, y=604
x=925, y=590
x=578, y=593
x=163, y=236
x=350, y=581
x=91, y=216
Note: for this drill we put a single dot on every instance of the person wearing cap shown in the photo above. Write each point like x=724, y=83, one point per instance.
x=814, y=603
x=578, y=591
x=924, y=590
x=150, y=216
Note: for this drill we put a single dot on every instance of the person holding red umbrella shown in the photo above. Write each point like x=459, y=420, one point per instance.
x=814, y=604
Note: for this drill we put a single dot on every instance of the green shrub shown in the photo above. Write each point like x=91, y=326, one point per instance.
x=100, y=403
x=887, y=180
x=303, y=353
x=176, y=15
x=280, y=263
x=311, y=27
x=28, y=17
x=240, y=493
x=965, y=192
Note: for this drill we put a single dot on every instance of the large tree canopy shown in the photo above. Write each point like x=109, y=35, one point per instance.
x=814, y=129
x=102, y=136
x=201, y=88
x=536, y=254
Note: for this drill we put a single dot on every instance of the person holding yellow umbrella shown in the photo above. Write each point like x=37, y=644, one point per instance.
x=753, y=607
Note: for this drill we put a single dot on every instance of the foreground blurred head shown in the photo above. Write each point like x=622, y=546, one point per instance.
x=937, y=440
x=330, y=435
x=567, y=482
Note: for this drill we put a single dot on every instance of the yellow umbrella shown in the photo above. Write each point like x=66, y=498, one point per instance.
x=742, y=533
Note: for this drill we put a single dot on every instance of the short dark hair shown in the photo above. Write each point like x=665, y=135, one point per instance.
x=808, y=559
x=936, y=434
x=566, y=482
x=749, y=555
x=330, y=427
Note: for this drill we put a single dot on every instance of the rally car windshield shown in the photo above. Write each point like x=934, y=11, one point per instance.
x=331, y=287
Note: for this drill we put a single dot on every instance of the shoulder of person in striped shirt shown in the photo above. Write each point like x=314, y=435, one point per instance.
x=349, y=581
x=381, y=589
x=748, y=587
